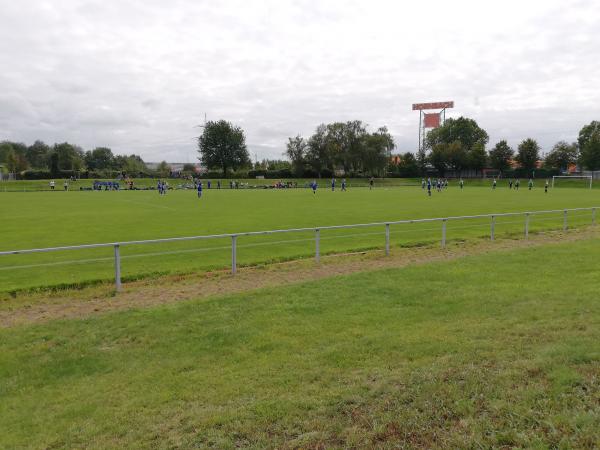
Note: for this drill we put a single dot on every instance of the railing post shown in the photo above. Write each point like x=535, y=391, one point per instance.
x=233, y=254
x=117, y=268
x=317, y=245
x=526, y=225
x=593, y=216
x=387, y=239
x=565, y=220
x=443, y=233
x=492, y=228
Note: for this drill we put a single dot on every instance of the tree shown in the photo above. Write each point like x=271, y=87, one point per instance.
x=377, y=151
x=11, y=161
x=318, y=156
x=132, y=164
x=456, y=156
x=296, y=152
x=68, y=157
x=562, y=156
x=101, y=158
x=408, y=166
x=528, y=154
x=14, y=155
x=223, y=146
x=38, y=154
x=438, y=157
x=163, y=169
x=477, y=158
x=463, y=129
x=586, y=133
x=590, y=153
x=500, y=156
x=189, y=167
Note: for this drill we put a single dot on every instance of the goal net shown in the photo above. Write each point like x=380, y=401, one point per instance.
x=572, y=181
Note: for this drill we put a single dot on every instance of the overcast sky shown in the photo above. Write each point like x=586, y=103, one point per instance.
x=137, y=76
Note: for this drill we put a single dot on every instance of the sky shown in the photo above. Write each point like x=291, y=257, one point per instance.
x=139, y=76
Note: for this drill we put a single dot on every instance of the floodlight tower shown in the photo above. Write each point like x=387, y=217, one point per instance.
x=428, y=121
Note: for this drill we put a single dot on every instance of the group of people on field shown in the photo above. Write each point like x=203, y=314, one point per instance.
x=440, y=184
x=52, y=185
x=162, y=187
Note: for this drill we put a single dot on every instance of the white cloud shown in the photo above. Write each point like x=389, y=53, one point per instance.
x=139, y=75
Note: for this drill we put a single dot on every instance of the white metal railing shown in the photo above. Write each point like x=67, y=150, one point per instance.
x=233, y=236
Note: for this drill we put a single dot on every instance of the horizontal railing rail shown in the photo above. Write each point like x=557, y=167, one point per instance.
x=316, y=230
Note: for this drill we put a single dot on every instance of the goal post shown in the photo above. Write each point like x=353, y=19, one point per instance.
x=589, y=178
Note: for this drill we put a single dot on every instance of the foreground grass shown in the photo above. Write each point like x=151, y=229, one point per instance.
x=46, y=219
x=497, y=350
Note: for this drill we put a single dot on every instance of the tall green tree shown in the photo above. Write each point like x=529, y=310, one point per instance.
x=477, y=158
x=318, y=155
x=528, y=154
x=163, y=169
x=590, y=153
x=438, y=157
x=562, y=155
x=296, y=151
x=585, y=134
x=38, y=154
x=464, y=130
x=408, y=166
x=500, y=156
x=422, y=159
x=377, y=151
x=11, y=161
x=101, y=158
x=456, y=156
x=132, y=164
x=223, y=146
x=5, y=148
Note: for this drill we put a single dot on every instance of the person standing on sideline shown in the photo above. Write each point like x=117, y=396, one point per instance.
x=429, y=186
x=199, y=189
x=530, y=184
x=208, y=184
x=517, y=184
x=461, y=183
x=332, y=184
x=510, y=182
x=66, y=185
x=314, y=186
x=343, y=184
x=423, y=183
x=494, y=184
x=371, y=182
x=52, y=185
x=218, y=184
x=546, y=187
x=159, y=187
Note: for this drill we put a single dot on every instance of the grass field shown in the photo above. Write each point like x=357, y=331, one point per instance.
x=494, y=351
x=44, y=219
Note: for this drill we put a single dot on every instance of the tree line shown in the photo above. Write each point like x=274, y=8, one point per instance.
x=460, y=145
x=41, y=160
x=346, y=145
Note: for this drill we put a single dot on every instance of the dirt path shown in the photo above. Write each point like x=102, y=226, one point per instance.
x=36, y=308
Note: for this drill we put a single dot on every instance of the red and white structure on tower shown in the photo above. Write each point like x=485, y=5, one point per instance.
x=430, y=120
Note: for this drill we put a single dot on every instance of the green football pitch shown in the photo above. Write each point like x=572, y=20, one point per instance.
x=48, y=219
